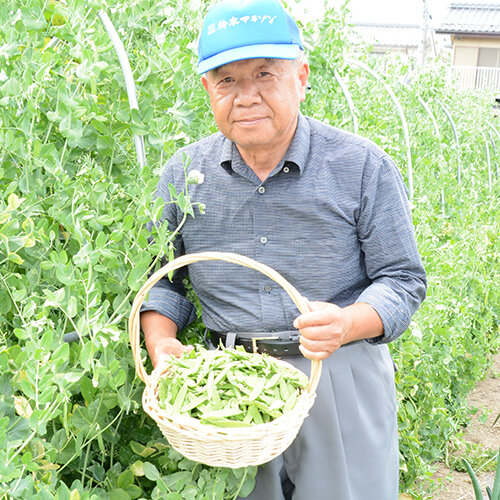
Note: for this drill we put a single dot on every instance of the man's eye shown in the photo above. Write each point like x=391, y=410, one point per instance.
x=228, y=79
x=264, y=74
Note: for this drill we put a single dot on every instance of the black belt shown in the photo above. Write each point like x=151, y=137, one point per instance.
x=279, y=344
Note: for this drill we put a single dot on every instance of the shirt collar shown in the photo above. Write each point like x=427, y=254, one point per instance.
x=228, y=153
x=298, y=151
x=296, y=154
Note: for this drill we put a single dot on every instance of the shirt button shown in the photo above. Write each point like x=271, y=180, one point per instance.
x=262, y=190
x=268, y=288
x=286, y=170
x=263, y=240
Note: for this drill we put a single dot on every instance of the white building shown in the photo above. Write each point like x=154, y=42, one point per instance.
x=475, y=33
x=396, y=38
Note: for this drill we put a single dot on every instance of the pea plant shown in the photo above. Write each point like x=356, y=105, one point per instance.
x=74, y=247
x=453, y=334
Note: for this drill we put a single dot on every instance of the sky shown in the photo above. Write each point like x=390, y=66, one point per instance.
x=379, y=11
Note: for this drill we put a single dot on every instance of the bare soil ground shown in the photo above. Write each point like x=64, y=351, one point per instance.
x=481, y=431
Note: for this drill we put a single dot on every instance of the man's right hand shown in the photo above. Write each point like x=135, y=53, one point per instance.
x=166, y=346
x=159, y=334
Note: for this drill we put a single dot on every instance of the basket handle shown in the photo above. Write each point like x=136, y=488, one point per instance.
x=134, y=323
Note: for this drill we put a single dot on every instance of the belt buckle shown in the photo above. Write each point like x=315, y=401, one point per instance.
x=256, y=339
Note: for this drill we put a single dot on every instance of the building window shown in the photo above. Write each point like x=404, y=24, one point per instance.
x=488, y=57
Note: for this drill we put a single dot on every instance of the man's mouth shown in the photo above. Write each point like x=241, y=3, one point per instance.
x=250, y=121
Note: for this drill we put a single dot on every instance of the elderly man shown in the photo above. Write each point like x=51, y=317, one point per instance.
x=326, y=209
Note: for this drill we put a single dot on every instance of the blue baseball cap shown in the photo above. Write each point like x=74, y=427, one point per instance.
x=245, y=29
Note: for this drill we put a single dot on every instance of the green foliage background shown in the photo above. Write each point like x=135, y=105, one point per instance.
x=73, y=248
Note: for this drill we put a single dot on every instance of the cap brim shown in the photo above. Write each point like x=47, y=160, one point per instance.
x=275, y=51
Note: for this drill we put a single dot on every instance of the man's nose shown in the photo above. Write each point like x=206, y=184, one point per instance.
x=247, y=94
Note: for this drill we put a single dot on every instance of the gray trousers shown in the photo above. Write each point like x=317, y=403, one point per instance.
x=347, y=448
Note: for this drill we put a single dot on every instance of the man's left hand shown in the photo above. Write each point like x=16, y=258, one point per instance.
x=322, y=330
x=327, y=327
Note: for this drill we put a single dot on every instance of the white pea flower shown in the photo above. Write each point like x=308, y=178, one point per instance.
x=195, y=177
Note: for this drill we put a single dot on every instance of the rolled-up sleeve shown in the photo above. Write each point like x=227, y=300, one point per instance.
x=168, y=297
x=393, y=264
x=165, y=299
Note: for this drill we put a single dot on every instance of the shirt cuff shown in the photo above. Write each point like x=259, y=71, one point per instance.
x=392, y=310
x=170, y=304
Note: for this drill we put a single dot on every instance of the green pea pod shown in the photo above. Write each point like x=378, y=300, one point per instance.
x=225, y=422
x=181, y=395
x=259, y=386
x=194, y=403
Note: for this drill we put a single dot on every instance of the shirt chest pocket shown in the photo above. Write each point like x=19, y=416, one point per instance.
x=328, y=267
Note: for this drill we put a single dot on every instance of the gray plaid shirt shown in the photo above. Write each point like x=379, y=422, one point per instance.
x=332, y=218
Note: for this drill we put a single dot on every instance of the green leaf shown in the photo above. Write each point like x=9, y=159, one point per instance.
x=21, y=334
x=87, y=389
x=46, y=341
x=54, y=298
x=105, y=220
x=71, y=128
x=137, y=468
x=150, y=471
x=495, y=494
x=11, y=87
x=146, y=451
x=137, y=276
x=248, y=484
x=125, y=479
x=137, y=448
x=14, y=202
x=475, y=482
x=31, y=21
x=182, y=201
x=72, y=306
x=5, y=302
x=67, y=378
x=61, y=353
x=172, y=191
x=15, y=258
x=53, y=116
x=177, y=480
x=19, y=429
x=100, y=241
x=118, y=494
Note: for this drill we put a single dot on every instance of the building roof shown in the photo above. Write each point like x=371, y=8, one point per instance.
x=389, y=35
x=472, y=19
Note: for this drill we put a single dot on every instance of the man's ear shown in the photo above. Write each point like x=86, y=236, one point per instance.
x=303, y=78
x=204, y=81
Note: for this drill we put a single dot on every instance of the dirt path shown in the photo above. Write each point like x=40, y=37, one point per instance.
x=481, y=431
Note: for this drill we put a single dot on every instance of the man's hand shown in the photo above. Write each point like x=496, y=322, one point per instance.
x=159, y=334
x=166, y=346
x=327, y=327
x=322, y=330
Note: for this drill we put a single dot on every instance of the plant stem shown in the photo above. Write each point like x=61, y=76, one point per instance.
x=241, y=484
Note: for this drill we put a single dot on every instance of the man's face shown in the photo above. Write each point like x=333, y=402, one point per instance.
x=256, y=101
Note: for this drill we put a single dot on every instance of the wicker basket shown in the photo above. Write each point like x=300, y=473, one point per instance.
x=231, y=446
